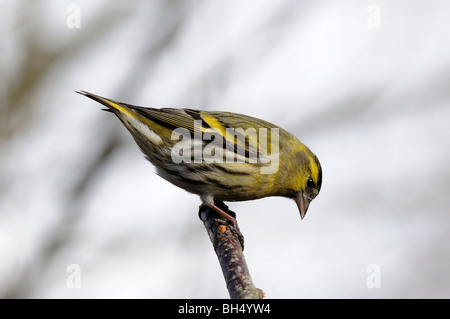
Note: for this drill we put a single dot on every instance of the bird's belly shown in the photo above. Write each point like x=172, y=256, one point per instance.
x=236, y=188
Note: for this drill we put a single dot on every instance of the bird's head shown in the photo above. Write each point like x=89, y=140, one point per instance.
x=306, y=179
x=310, y=184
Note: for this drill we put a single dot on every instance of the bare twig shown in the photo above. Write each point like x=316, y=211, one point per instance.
x=229, y=252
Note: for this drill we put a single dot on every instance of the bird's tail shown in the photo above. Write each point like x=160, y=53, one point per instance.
x=111, y=105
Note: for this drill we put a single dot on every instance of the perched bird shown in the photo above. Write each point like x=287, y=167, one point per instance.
x=221, y=156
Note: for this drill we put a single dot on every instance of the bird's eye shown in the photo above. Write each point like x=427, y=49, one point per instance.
x=310, y=183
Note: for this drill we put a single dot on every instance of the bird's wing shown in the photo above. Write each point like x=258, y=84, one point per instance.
x=255, y=133
x=169, y=118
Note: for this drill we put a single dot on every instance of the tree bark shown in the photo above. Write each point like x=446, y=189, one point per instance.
x=228, y=248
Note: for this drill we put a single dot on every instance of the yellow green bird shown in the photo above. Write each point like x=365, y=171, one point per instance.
x=221, y=156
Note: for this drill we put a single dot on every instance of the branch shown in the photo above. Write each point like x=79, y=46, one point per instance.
x=228, y=249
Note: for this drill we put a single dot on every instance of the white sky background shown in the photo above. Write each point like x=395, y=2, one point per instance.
x=369, y=96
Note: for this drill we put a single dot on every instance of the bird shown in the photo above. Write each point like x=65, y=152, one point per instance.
x=221, y=156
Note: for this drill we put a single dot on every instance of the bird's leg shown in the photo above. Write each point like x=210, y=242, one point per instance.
x=230, y=218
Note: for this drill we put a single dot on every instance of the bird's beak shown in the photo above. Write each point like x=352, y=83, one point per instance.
x=302, y=203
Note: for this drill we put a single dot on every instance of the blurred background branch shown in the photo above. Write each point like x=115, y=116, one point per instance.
x=36, y=62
